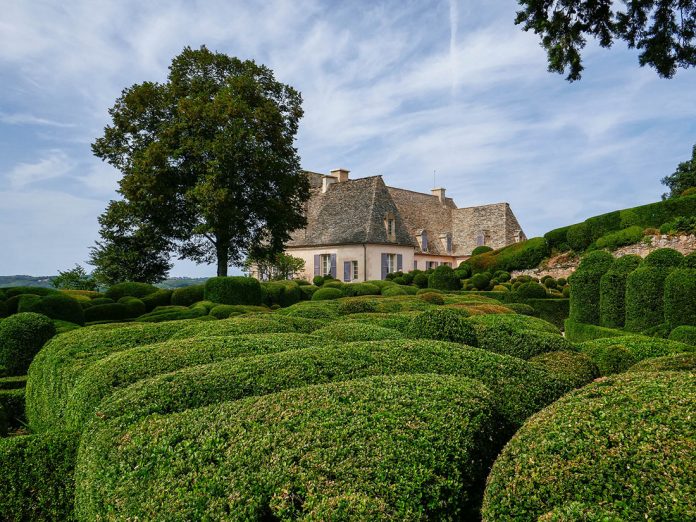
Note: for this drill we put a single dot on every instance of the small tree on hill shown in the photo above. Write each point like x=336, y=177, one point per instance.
x=683, y=178
x=74, y=279
x=275, y=267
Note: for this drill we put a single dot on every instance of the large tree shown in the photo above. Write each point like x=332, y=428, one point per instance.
x=682, y=179
x=664, y=31
x=208, y=157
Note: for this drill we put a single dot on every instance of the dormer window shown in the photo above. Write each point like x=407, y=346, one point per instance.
x=449, y=244
x=390, y=225
x=422, y=237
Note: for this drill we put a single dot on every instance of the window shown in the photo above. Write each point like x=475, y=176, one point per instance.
x=430, y=265
x=355, y=270
x=390, y=226
x=447, y=263
x=449, y=244
x=325, y=264
x=391, y=263
x=423, y=241
x=415, y=264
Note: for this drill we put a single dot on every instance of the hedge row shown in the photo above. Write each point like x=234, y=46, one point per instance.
x=577, y=332
x=37, y=476
x=21, y=337
x=349, y=331
x=234, y=290
x=555, y=311
x=645, y=298
x=680, y=298
x=608, y=445
x=518, y=256
x=575, y=368
x=684, y=334
x=612, y=290
x=585, y=286
x=679, y=362
x=339, y=451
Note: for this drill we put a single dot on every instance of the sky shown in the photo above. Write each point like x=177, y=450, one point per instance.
x=441, y=92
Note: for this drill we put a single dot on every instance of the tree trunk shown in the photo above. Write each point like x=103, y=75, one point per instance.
x=222, y=257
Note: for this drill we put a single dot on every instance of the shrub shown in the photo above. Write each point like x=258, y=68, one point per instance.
x=689, y=261
x=12, y=403
x=444, y=278
x=680, y=298
x=514, y=321
x=130, y=289
x=519, y=342
x=357, y=289
x=173, y=313
x=3, y=422
x=420, y=280
x=585, y=289
x=325, y=294
x=107, y=312
x=58, y=306
x=282, y=293
x=233, y=290
x=21, y=337
x=37, y=476
x=481, y=249
x=554, y=311
x=13, y=383
x=258, y=324
x=579, y=332
x=34, y=290
x=645, y=298
x=522, y=255
x=121, y=369
x=432, y=472
x=105, y=300
x=663, y=258
x=442, y=325
x=134, y=306
x=577, y=369
x=480, y=281
x=627, y=236
x=356, y=306
x=557, y=239
x=392, y=291
x=678, y=362
x=348, y=331
x=159, y=298
x=307, y=291
x=618, y=443
x=638, y=346
x=394, y=321
x=531, y=290
x=521, y=308
x=434, y=298
x=579, y=237
x=612, y=291
x=312, y=310
x=188, y=295
x=223, y=311
x=684, y=334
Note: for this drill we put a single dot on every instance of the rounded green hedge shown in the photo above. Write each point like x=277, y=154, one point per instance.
x=35, y=290
x=612, y=291
x=21, y=337
x=107, y=312
x=357, y=306
x=585, y=286
x=519, y=342
x=121, y=369
x=59, y=306
x=393, y=291
x=639, y=347
x=234, y=290
x=443, y=325
x=624, y=443
x=689, y=261
x=38, y=476
x=358, y=289
x=263, y=323
x=312, y=310
x=347, y=331
x=395, y=321
x=663, y=258
x=481, y=249
x=326, y=294
x=130, y=289
x=680, y=298
x=281, y=293
x=174, y=313
x=374, y=466
x=134, y=306
x=514, y=321
x=531, y=290
x=187, y=295
x=443, y=278
x=159, y=298
x=645, y=298
x=679, y=362
x=684, y=334
x=575, y=368
x=434, y=298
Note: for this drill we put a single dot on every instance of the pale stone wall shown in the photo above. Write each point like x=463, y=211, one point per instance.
x=422, y=260
x=497, y=222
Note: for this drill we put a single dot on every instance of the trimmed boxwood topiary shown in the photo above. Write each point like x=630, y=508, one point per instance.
x=481, y=249
x=13, y=383
x=356, y=306
x=38, y=476
x=443, y=325
x=554, y=311
x=188, y=295
x=281, y=293
x=612, y=291
x=518, y=342
x=347, y=331
x=645, y=298
x=326, y=294
x=638, y=346
x=130, y=289
x=575, y=368
x=375, y=466
x=233, y=290
x=444, y=278
x=34, y=290
x=57, y=306
x=307, y=291
x=12, y=402
x=21, y=337
x=396, y=321
x=174, y=313
x=531, y=290
x=585, y=286
x=312, y=310
x=521, y=308
x=421, y=280
x=357, y=289
x=579, y=237
x=622, y=443
x=434, y=298
x=393, y=291
x=514, y=321
x=684, y=334
x=680, y=298
x=664, y=258
x=679, y=362
x=134, y=306
x=159, y=298
x=107, y=312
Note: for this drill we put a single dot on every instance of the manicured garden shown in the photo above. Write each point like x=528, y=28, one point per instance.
x=434, y=397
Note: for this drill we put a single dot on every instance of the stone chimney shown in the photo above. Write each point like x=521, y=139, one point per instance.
x=326, y=182
x=341, y=175
x=439, y=193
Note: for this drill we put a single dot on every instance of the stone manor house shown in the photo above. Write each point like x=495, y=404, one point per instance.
x=361, y=229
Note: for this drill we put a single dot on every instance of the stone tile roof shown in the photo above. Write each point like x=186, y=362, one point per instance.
x=350, y=212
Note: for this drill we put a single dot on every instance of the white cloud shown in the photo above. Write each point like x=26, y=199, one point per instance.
x=54, y=164
x=30, y=119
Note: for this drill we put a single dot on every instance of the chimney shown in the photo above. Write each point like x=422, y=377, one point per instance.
x=439, y=193
x=340, y=174
x=326, y=182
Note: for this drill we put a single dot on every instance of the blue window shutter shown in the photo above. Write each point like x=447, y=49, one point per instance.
x=424, y=240
x=385, y=266
x=399, y=262
x=333, y=266
x=346, y=271
x=317, y=263
x=415, y=264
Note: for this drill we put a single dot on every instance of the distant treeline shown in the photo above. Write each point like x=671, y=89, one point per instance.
x=45, y=281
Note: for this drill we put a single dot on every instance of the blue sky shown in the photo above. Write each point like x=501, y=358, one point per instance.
x=395, y=88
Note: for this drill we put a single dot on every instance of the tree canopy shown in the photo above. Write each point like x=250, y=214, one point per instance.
x=664, y=31
x=682, y=179
x=208, y=157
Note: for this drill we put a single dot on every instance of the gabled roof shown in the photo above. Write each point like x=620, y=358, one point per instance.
x=350, y=212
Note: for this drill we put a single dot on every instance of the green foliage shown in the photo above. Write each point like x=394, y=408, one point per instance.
x=689, y=261
x=680, y=298
x=421, y=280
x=33, y=290
x=518, y=256
x=322, y=309
x=74, y=279
x=174, y=313
x=395, y=290
x=159, y=298
x=187, y=295
x=356, y=306
x=683, y=178
x=274, y=266
x=645, y=297
x=678, y=362
x=307, y=291
x=684, y=334
x=554, y=311
x=531, y=290
x=37, y=481
x=585, y=286
x=482, y=249
x=434, y=298
x=348, y=331
x=612, y=291
x=481, y=281
x=21, y=337
x=324, y=294
x=13, y=383
x=357, y=289
x=579, y=237
x=619, y=443
x=223, y=311
x=609, y=358
x=442, y=325
x=614, y=240
x=134, y=306
x=282, y=293
x=557, y=239
x=236, y=187
x=680, y=224
x=579, y=332
x=12, y=404
x=107, y=312
x=663, y=258
x=521, y=308
x=369, y=469
x=577, y=369
x=233, y=290
x=56, y=306
x=130, y=289
x=523, y=337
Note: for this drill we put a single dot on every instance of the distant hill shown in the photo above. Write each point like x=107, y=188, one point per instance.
x=45, y=281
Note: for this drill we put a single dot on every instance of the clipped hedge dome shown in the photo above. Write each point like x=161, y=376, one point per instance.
x=645, y=297
x=187, y=295
x=356, y=306
x=612, y=290
x=442, y=325
x=130, y=289
x=684, y=334
x=575, y=368
x=159, y=298
x=107, y=312
x=357, y=289
x=61, y=307
x=617, y=354
x=444, y=278
x=625, y=444
x=531, y=290
x=663, y=258
x=585, y=286
x=134, y=306
x=375, y=466
x=348, y=331
x=21, y=337
x=393, y=291
x=233, y=290
x=679, y=362
x=327, y=294
x=680, y=297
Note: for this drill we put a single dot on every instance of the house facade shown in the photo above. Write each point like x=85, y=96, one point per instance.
x=361, y=229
